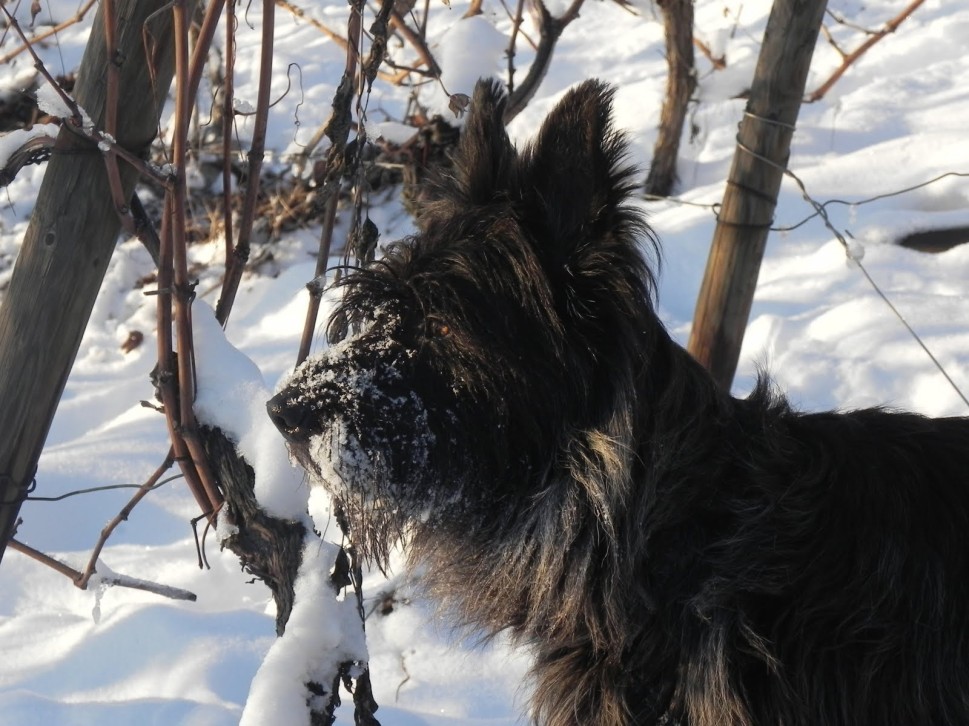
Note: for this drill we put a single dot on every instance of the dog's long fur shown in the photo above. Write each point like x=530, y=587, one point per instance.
x=515, y=411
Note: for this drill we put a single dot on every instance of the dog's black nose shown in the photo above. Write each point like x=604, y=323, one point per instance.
x=289, y=416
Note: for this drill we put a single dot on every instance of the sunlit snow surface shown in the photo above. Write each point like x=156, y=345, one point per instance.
x=896, y=119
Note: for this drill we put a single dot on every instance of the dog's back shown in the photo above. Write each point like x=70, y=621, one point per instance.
x=833, y=583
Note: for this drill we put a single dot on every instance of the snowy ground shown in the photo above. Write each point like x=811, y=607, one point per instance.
x=896, y=119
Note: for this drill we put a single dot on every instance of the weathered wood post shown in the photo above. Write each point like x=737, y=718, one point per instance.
x=763, y=146
x=69, y=241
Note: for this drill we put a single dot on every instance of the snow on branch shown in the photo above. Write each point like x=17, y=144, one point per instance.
x=105, y=577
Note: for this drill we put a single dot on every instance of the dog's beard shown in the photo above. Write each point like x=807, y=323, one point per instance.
x=394, y=460
x=378, y=483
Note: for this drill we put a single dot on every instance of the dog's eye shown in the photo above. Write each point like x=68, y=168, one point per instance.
x=438, y=328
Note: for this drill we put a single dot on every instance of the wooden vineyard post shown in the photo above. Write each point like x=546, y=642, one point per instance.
x=70, y=239
x=747, y=211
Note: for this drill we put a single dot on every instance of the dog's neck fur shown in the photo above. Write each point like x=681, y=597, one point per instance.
x=583, y=504
x=573, y=554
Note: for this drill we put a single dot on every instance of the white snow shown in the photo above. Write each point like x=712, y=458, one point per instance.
x=895, y=120
x=318, y=624
x=50, y=101
x=231, y=395
x=470, y=49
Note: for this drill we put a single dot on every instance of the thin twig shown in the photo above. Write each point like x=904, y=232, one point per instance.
x=332, y=190
x=76, y=116
x=166, y=376
x=113, y=75
x=423, y=52
x=425, y=16
x=393, y=78
x=108, y=146
x=228, y=96
x=298, y=12
x=718, y=62
x=841, y=20
x=550, y=28
x=849, y=59
x=337, y=128
x=55, y=565
x=78, y=17
x=122, y=516
x=832, y=42
x=183, y=289
x=145, y=169
x=513, y=43
x=175, y=593
x=511, y=16
x=236, y=263
x=203, y=44
x=103, y=488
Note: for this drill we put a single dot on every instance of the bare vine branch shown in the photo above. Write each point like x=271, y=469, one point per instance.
x=76, y=116
x=337, y=128
x=417, y=41
x=890, y=27
x=718, y=62
x=54, y=30
x=182, y=290
x=122, y=516
x=513, y=43
x=117, y=580
x=298, y=12
x=237, y=257
x=550, y=29
x=228, y=93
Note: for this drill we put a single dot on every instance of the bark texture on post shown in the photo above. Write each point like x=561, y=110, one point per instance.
x=680, y=84
x=70, y=239
x=763, y=147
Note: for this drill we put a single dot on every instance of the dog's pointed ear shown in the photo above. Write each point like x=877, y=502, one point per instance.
x=573, y=177
x=485, y=158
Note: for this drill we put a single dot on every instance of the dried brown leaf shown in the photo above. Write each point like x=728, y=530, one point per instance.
x=458, y=104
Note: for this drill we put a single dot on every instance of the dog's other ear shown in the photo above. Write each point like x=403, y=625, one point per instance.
x=484, y=160
x=573, y=178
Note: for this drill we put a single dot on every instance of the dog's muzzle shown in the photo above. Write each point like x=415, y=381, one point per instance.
x=293, y=418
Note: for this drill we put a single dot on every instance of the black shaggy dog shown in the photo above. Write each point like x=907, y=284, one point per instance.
x=513, y=410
